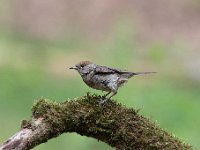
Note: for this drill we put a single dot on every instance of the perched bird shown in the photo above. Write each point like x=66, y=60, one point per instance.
x=104, y=78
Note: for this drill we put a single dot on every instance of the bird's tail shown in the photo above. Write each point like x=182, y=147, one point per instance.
x=131, y=74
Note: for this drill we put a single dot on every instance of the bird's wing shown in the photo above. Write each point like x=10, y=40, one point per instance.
x=106, y=70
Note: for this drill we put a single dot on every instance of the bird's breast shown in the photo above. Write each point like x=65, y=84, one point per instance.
x=102, y=82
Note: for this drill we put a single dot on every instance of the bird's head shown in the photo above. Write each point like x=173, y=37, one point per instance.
x=84, y=67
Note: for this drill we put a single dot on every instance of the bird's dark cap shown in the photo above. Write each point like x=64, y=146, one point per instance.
x=84, y=63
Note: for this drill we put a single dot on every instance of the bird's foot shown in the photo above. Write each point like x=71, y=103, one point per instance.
x=103, y=101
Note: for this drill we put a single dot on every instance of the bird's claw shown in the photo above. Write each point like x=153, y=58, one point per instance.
x=103, y=101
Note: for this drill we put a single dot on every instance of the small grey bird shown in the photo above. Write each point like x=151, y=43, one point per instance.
x=103, y=78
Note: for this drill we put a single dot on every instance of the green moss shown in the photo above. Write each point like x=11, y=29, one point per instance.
x=105, y=120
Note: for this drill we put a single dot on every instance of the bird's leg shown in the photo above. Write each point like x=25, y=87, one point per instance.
x=114, y=93
x=106, y=94
x=105, y=99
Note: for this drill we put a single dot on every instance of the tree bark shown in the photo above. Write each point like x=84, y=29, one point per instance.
x=92, y=116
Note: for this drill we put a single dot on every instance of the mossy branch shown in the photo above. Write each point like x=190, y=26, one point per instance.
x=92, y=116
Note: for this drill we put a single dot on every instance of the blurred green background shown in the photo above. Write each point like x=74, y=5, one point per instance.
x=39, y=40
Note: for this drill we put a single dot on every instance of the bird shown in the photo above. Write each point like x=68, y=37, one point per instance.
x=104, y=78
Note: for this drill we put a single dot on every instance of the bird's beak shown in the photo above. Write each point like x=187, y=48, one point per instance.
x=75, y=68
